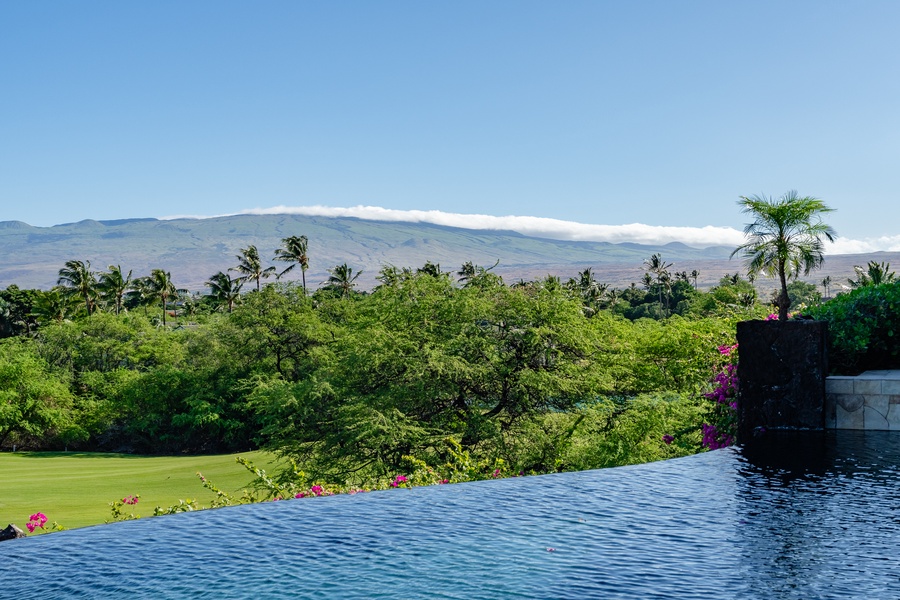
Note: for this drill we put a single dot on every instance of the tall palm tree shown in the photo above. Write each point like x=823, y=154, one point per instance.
x=77, y=279
x=826, y=283
x=225, y=290
x=659, y=269
x=785, y=238
x=250, y=266
x=113, y=285
x=293, y=250
x=342, y=278
x=158, y=287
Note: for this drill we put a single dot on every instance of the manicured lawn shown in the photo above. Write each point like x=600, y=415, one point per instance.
x=75, y=489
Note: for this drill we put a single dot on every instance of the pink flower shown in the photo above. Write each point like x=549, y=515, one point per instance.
x=35, y=521
x=496, y=473
x=316, y=489
x=398, y=480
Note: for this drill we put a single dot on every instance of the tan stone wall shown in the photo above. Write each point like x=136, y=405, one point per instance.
x=867, y=401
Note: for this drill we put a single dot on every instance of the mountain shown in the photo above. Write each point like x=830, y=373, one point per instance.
x=195, y=249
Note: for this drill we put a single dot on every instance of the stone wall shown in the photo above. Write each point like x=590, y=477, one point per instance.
x=782, y=372
x=867, y=401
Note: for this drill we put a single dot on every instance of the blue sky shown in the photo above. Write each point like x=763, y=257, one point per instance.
x=654, y=113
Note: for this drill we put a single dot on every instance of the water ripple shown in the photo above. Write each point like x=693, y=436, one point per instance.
x=805, y=516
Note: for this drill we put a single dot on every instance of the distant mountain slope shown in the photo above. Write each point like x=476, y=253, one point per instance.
x=195, y=249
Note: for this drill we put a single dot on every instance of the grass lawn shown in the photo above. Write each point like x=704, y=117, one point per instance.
x=75, y=489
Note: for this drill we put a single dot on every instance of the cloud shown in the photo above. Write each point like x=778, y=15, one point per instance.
x=556, y=229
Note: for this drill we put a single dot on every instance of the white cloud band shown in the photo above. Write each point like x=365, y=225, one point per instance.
x=564, y=230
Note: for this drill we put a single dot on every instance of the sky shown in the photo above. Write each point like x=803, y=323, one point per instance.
x=620, y=121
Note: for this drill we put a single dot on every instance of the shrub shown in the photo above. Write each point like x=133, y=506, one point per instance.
x=863, y=329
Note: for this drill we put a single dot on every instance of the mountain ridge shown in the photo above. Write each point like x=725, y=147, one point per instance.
x=194, y=249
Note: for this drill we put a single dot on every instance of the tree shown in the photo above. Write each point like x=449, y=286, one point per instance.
x=432, y=269
x=826, y=283
x=226, y=291
x=53, y=306
x=801, y=292
x=659, y=269
x=33, y=400
x=158, y=287
x=250, y=266
x=475, y=275
x=785, y=239
x=78, y=280
x=874, y=274
x=113, y=285
x=342, y=279
x=293, y=250
x=17, y=316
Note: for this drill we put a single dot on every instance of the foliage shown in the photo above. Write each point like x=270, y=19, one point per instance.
x=294, y=250
x=34, y=401
x=341, y=280
x=250, y=266
x=784, y=239
x=77, y=280
x=873, y=274
x=863, y=328
x=802, y=293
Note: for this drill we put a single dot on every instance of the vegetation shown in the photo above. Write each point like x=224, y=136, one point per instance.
x=873, y=274
x=75, y=489
x=352, y=386
x=785, y=238
x=863, y=328
x=434, y=375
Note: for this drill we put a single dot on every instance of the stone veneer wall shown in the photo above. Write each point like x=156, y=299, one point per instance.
x=867, y=401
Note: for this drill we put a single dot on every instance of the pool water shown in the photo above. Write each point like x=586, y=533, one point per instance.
x=806, y=515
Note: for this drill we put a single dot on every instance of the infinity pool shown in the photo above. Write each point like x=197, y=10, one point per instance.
x=801, y=516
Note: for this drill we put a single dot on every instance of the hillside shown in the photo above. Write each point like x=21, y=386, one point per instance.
x=195, y=249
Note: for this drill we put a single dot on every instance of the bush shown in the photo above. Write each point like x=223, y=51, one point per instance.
x=863, y=329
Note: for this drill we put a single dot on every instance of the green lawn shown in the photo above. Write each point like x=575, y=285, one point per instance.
x=75, y=489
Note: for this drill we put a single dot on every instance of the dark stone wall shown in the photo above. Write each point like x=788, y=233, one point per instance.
x=781, y=371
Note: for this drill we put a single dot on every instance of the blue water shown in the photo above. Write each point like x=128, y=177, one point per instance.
x=805, y=516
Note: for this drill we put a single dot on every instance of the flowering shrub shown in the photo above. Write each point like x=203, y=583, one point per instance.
x=35, y=521
x=719, y=431
x=118, y=510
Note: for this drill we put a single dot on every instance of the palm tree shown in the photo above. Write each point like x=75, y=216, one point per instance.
x=293, y=250
x=53, y=305
x=874, y=274
x=694, y=275
x=785, y=238
x=225, y=290
x=826, y=283
x=250, y=266
x=659, y=268
x=431, y=269
x=466, y=272
x=113, y=285
x=158, y=287
x=342, y=278
x=77, y=279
